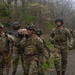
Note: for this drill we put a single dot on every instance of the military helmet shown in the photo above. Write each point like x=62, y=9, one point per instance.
x=1, y=26
x=60, y=20
x=31, y=27
x=38, y=32
x=16, y=25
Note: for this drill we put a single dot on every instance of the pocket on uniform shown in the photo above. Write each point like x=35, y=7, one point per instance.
x=33, y=68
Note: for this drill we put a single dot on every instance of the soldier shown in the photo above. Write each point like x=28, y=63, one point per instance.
x=17, y=49
x=4, y=51
x=33, y=47
x=39, y=33
x=59, y=37
x=25, y=36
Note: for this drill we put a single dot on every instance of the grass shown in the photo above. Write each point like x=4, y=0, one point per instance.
x=51, y=26
x=51, y=65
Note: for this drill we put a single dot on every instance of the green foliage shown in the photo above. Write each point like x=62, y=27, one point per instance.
x=7, y=24
x=30, y=19
x=51, y=46
x=3, y=11
x=34, y=4
x=51, y=25
x=51, y=65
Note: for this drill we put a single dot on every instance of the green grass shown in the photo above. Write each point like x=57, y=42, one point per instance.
x=51, y=46
x=51, y=25
x=51, y=65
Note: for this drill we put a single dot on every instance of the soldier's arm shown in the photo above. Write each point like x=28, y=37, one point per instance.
x=51, y=38
x=68, y=34
x=11, y=41
x=44, y=51
x=41, y=48
x=70, y=39
x=45, y=45
x=22, y=42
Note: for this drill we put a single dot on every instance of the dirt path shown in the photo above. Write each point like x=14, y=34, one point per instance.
x=70, y=66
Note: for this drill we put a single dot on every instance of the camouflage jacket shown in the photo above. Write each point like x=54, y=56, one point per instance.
x=60, y=37
x=34, y=46
x=5, y=41
x=45, y=45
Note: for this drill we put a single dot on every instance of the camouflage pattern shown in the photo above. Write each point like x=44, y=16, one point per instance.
x=31, y=27
x=33, y=48
x=17, y=52
x=4, y=55
x=41, y=56
x=59, y=37
x=22, y=42
x=4, y=63
x=41, y=70
x=45, y=45
x=60, y=59
x=39, y=33
x=16, y=25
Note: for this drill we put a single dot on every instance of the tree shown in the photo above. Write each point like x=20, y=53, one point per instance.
x=23, y=11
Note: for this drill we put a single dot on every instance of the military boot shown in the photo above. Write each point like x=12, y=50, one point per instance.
x=58, y=72
x=63, y=72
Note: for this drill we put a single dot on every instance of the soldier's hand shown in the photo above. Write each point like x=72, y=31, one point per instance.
x=48, y=61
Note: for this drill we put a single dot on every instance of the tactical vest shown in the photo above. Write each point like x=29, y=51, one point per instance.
x=3, y=43
x=30, y=46
x=60, y=36
x=16, y=38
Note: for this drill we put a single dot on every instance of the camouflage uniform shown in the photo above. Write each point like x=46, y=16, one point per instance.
x=4, y=54
x=39, y=33
x=17, y=50
x=33, y=47
x=59, y=37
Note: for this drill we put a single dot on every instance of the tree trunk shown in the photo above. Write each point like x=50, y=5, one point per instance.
x=23, y=11
x=15, y=15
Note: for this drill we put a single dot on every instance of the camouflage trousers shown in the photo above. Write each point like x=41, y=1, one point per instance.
x=5, y=63
x=60, y=59
x=17, y=53
x=32, y=65
x=41, y=60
